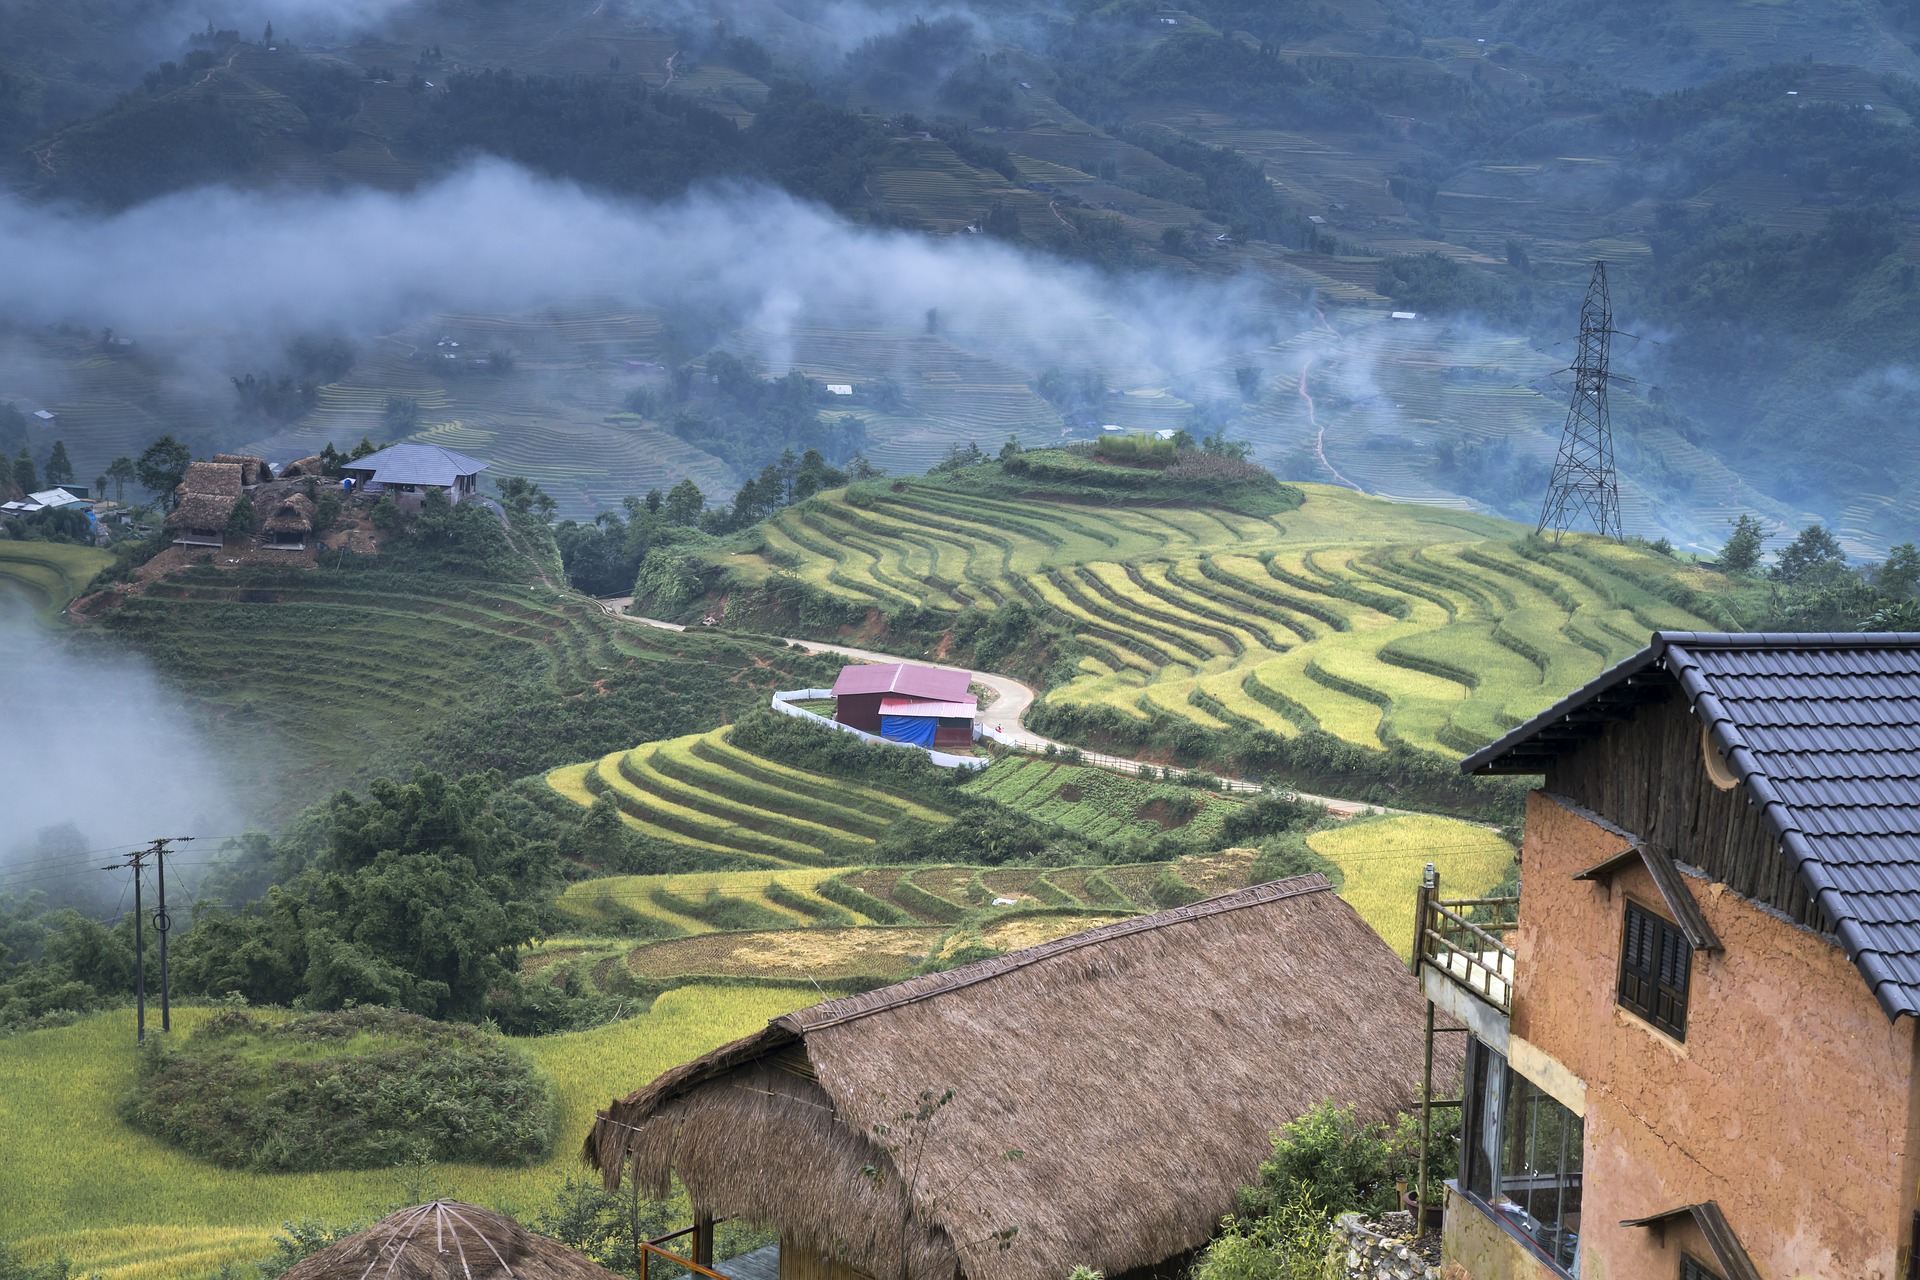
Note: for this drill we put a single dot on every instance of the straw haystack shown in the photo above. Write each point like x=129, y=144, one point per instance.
x=310, y=466
x=447, y=1240
x=252, y=470
x=219, y=479
x=1109, y=1092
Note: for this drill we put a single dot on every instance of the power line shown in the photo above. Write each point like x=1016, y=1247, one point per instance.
x=136, y=861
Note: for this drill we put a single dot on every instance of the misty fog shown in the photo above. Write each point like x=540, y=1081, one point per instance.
x=247, y=270
x=95, y=754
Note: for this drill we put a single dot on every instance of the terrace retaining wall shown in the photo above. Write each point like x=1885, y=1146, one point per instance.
x=1384, y=1250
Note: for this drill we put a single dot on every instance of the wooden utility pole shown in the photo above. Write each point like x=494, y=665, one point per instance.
x=137, y=863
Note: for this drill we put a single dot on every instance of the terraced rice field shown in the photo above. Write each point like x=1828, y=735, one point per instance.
x=334, y=659
x=1100, y=803
x=1372, y=621
x=817, y=898
x=107, y=1204
x=704, y=792
x=46, y=575
x=815, y=954
x=1384, y=860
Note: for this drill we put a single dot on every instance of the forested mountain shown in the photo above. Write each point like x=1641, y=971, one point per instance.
x=1464, y=161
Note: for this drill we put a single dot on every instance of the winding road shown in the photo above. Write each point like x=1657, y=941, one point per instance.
x=1009, y=705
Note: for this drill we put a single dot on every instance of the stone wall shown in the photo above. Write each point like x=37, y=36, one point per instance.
x=1384, y=1250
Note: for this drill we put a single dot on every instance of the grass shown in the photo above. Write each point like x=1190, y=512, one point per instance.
x=48, y=574
x=111, y=1200
x=1374, y=621
x=703, y=792
x=1384, y=860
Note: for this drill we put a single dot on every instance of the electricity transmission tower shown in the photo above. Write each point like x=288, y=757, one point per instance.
x=1583, y=479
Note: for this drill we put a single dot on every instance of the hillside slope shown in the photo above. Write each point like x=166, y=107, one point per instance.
x=1375, y=622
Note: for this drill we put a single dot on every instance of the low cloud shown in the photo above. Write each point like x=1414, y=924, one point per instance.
x=241, y=268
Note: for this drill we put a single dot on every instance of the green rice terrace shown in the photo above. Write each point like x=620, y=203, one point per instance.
x=44, y=576
x=1373, y=621
x=352, y=669
x=805, y=828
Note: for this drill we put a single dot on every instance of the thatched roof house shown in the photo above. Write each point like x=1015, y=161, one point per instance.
x=1104, y=1094
x=201, y=519
x=219, y=479
x=447, y=1240
x=253, y=470
x=307, y=466
x=291, y=521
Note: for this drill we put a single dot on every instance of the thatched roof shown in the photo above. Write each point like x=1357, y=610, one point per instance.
x=293, y=514
x=223, y=479
x=252, y=470
x=307, y=466
x=1138, y=1069
x=203, y=511
x=447, y=1240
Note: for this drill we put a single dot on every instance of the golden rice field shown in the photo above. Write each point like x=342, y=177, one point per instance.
x=1373, y=621
x=75, y=1182
x=1384, y=860
x=704, y=792
x=590, y=899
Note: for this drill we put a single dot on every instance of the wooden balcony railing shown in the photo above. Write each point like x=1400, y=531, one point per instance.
x=1467, y=939
x=701, y=1264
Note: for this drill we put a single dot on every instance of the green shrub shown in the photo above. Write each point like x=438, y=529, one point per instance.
x=360, y=1089
x=1291, y=1243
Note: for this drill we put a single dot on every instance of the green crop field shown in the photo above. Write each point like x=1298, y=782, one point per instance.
x=703, y=791
x=1371, y=620
x=116, y=1202
x=1098, y=802
x=353, y=670
x=46, y=575
x=1384, y=860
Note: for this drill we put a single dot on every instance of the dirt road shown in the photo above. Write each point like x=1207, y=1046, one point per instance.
x=1004, y=715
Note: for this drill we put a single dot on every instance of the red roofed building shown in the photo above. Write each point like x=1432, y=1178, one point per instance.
x=927, y=706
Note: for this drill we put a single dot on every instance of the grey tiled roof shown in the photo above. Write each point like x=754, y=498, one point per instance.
x=1824, y=730
x=416, y=464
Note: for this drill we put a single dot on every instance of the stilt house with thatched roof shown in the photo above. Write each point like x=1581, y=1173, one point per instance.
x=206, y=498
x=1094, y=1100
x=447, y=1240
x=291, y=523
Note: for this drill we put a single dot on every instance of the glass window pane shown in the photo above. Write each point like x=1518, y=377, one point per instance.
x=1538, y=1189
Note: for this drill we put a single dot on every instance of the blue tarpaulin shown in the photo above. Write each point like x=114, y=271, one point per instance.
x=918, y=730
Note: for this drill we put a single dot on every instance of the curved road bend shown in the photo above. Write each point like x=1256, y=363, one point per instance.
x=1010, y=702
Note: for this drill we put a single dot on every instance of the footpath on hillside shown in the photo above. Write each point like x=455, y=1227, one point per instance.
x=1011, y=701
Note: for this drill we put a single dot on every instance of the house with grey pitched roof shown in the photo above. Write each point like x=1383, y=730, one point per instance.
x=1692, y=1034
x=408, y=471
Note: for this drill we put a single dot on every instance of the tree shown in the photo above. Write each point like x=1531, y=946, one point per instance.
x=1742, y=552
x=59, y=465
x=1814, y=556
x=683, y=503
x=1248, y=379
x=1899, y=573
x=120, y=470
x=162, y=466
x=401, y=415
x=240, y=523
x=23, y=472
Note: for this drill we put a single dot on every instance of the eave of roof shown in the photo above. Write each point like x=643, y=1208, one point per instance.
x=1727, y=1249
x=1671, y=660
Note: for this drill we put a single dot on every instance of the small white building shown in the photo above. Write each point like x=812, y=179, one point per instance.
x=839, y=388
